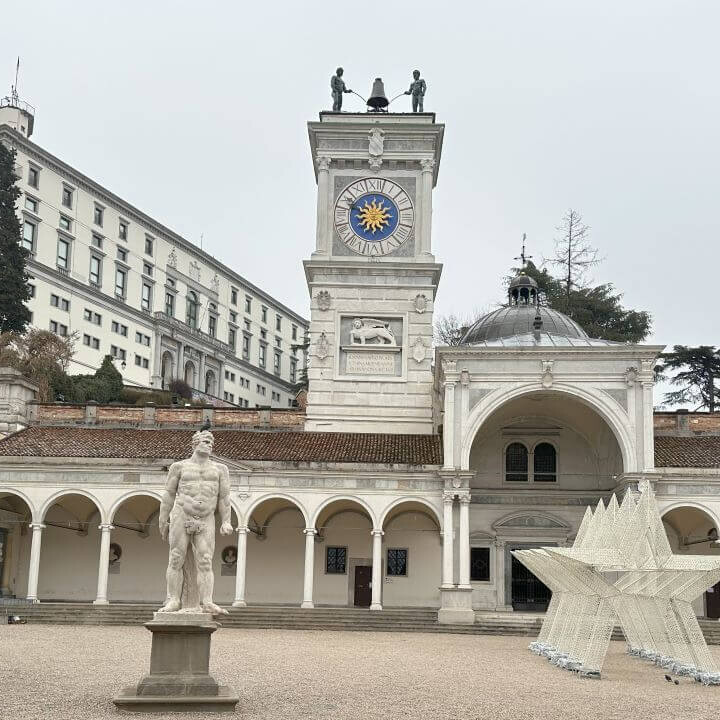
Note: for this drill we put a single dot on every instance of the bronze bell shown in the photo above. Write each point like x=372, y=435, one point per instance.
x=377, y=100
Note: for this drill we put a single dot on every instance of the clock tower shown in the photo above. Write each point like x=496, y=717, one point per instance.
x=372, y=277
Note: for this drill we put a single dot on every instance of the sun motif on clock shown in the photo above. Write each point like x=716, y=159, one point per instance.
x=374, y=216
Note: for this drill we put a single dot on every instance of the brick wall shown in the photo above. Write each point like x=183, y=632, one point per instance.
x=687, y=423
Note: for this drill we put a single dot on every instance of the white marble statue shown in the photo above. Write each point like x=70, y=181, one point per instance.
x=196, y=488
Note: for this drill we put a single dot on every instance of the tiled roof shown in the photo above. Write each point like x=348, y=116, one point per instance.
x=699, y=452
x=238, y=445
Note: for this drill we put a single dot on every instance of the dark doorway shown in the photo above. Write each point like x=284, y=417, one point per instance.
x=528, y=593
x=363, y=582
x=3, y=551
x=712, y=602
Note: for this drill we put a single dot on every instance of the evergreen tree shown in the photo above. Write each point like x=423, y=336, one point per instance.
x=14, y=288
x=697, y=374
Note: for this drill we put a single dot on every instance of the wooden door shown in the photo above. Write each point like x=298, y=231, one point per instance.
x=712, y=602
x=363, y=585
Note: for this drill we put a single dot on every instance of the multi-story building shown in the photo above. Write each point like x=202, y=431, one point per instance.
x=130, y=287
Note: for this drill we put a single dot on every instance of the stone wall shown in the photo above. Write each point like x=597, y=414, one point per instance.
x=682, y=422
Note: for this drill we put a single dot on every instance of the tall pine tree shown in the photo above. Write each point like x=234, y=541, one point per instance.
x=14, y=288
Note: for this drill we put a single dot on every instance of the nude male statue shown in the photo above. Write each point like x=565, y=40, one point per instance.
x=194, y=490
x=337, y=88
x=418, y=88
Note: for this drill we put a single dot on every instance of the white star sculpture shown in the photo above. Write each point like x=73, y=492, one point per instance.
x=621, y=569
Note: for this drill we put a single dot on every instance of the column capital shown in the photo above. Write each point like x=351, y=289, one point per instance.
x=448, y=497
x=427, y=165
x=242, y=529
x=464, y=499
x=310, y=531
x=449, y=383
x=106, y=527
x=323, y=162
x=37, y=525
x=377, y=533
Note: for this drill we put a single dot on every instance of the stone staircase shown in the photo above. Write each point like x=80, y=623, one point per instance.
x=320, y=618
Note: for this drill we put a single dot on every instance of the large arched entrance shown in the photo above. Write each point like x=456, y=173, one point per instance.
x=15, y=544
x=692, y=530
x=166, y=369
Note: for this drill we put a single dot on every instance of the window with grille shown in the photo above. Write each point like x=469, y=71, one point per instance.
x=516, y=463
x=336, y=560
x=480, y=564
x=397, y=561
x=545, y=463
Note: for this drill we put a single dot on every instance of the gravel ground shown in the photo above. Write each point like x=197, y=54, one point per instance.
x=71, y=672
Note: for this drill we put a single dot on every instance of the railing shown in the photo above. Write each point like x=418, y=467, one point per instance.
x=11, y=101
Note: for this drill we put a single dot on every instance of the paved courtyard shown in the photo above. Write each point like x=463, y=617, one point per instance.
x=71, y=672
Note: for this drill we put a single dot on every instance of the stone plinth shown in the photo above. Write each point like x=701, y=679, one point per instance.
x=179, y=678
x=456, y=606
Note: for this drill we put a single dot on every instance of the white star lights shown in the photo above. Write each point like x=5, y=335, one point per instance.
x=621, y=569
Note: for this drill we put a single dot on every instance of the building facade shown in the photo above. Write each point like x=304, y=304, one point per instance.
x=132, y=288
x=410, y=478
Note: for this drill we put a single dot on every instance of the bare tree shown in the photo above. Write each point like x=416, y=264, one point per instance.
x=573, y=252
x=450, y=329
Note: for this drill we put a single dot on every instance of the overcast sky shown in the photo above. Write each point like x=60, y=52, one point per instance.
x=196, y=113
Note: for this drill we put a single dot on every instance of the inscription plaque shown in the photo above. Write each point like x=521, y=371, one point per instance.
x=370, y=363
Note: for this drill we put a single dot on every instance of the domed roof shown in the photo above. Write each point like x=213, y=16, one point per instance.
x=522, y=280
x=520, y=320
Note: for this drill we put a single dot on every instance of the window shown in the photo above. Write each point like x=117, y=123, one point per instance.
x=122, y=254
x=98, y=214
x=97, y=241
x=31, y=289
x=142, y=339
x=233, y=296
x=95, y=267
x=118, y=352
x=120, y=282
x=142, y=362
x=293, y=370
x=278, y=323
x=229, y=397
x=33, y=177
x=246, y=347
x=335, y=560
x=92, y=317
x=92, y=342
x=262, y=357
x=170, y=304
x=261, y=389
x=247, y=325
x=170, y=282
x=278, y=342
x=123, y=230
x=263, y=334
x=544, y=463
x=31, y=204
x=233, y=317
x=294, y=332
x=119, y=328
x=231, y=338
x=276, y=363
x=248, y=303
x=275, y=396
x=146, y=297
x=67, y=197
x=66, y=224
x=147, y=269
x=58, y=328
x=191, y=310
x=28, y=239
x=397, y=562
x=516, y=463
x=212, y=325
x=480, y=564
x=148, y=245
x=264, y=314
x=60, y=302
x=63, y=254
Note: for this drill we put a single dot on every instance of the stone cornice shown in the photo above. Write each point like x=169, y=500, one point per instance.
x=130, y=212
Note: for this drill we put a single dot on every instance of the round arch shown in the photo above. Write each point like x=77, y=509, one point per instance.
x=133, y=493
x=166, y=373
x=20, y=494
x=244, y=518
x=71, y=491
x=608, y=410
x=189, y=373
x=682, y=504
x=347, y=498
x=412, y=499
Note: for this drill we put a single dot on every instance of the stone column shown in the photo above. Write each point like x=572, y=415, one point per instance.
x=220, y=389
x=103, y=564
x=376, y=600
x=322, y=243
x=648, y=429
x=156, y=379
x=449, y=426
x=447, y=575
x=5, y=578
x=464, y=530
x=240, y=566
x=500, y=602
x=310, y=534
x=426, y=207
x=179, y=369
x=200, y=384
x=34, y=571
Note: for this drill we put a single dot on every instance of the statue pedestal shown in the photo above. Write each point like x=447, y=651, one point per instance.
x=456, y=606
x=179, y=678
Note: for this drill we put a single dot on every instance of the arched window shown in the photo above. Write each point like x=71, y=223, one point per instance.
x=545, y=463
x=516, y=463
x=192, y=309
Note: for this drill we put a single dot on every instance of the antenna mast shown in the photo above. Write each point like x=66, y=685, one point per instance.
x=14, y=88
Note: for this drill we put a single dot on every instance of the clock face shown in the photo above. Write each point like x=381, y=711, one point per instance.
x=374, y=216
